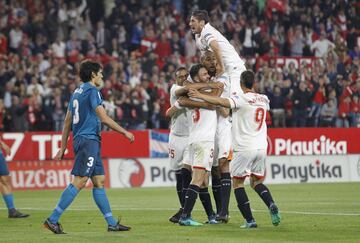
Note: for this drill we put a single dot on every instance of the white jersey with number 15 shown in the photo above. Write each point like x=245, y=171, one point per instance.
x=248, y=125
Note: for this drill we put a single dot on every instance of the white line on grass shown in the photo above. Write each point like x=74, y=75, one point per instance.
x=174, y=209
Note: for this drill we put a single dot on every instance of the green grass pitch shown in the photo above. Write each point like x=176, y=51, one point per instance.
x=310, y=213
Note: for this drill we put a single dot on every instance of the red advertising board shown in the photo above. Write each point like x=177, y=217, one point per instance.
x=44, y=145
x=44, y=174
x=282, y=141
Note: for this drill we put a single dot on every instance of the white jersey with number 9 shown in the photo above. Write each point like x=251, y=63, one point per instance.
x=248, y=125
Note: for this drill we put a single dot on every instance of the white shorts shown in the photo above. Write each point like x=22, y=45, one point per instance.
x=247, y=163
x=178, y=151
x=201, y=155
x=222, y=145
x=234, y=75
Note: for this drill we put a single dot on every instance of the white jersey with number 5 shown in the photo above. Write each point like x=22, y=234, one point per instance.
x=248, y=125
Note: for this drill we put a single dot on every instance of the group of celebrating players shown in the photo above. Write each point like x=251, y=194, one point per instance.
x=218, y=126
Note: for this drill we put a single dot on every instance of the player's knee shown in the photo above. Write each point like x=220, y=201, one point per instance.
x=254, y=182
x=215, y=172
x=224, y=165
x=80, y=182
x=238, y=182
x=99, y=184
x=5, y=180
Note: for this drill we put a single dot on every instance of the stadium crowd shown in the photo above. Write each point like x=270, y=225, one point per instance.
x=141, y=43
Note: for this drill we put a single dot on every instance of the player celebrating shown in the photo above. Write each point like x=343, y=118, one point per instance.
x=208, y=38
x=5, y=185
x=249, y=144
x=178, y=145
x=84, y=115
x=201, y=147
x=178, y=138
x=222, y=143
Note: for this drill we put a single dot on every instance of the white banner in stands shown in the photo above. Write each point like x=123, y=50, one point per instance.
x=140, y=173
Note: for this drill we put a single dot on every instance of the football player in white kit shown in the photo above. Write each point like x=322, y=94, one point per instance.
x=249, y=144
x=178, y=139
x=208, y=38
x=221, y=180
x=201, y=148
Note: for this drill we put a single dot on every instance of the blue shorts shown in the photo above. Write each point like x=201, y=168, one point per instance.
x=3, y=166
x=87, y=158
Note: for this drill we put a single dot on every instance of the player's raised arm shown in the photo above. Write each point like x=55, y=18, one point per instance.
x=104, y=118
x=183, y=91
x=186, y=102
x=64, y=136
x=211, y=99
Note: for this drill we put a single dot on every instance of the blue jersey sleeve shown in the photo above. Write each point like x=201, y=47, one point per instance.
x=95, y=99
x=70, y=103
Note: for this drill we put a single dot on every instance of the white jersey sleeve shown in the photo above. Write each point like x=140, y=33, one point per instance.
x=180, y=121
x=229, y=55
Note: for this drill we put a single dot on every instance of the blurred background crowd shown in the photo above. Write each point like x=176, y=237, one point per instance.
x=141, y=43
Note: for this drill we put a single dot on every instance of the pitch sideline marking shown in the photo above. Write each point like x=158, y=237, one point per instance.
x=174, y=209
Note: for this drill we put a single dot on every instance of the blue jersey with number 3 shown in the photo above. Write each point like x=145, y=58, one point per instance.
x=83, y=103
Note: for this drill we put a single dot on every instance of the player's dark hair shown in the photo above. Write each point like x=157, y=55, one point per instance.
x=201, y=15
x=180, y=69
x=247, y=79
x=87, y=68
x=194, y=70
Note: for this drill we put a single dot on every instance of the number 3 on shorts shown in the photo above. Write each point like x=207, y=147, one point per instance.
x=91, y=161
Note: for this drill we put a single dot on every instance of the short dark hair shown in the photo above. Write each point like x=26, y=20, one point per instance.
x=180, y=69
x=194, y=70
x=201, y=15
x=247, y=79
x=87, y=68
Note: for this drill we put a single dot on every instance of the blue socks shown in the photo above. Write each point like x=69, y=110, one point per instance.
x=103, y=204
x=9, y=201
x=66, y=199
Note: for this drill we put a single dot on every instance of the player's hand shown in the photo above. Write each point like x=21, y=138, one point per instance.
x=60, y=154
x=7, y=149
x=193, y=93
x=182, y=100
x=130, y=136
x=217, y=85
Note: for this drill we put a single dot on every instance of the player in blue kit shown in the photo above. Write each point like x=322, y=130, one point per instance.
x=5, y=185
x=85, y=115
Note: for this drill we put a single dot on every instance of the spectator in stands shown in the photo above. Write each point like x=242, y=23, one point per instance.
x=30, y=49
x=355, y=112
x=297, y=42
x=15, y=37
x=319, y=98
x=328, y=113
x=344, y=112
x=18, y=115
x=322, y=45
x=277, y=107
x=300, y=99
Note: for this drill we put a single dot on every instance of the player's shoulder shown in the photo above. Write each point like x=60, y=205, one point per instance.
x=208, y=30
